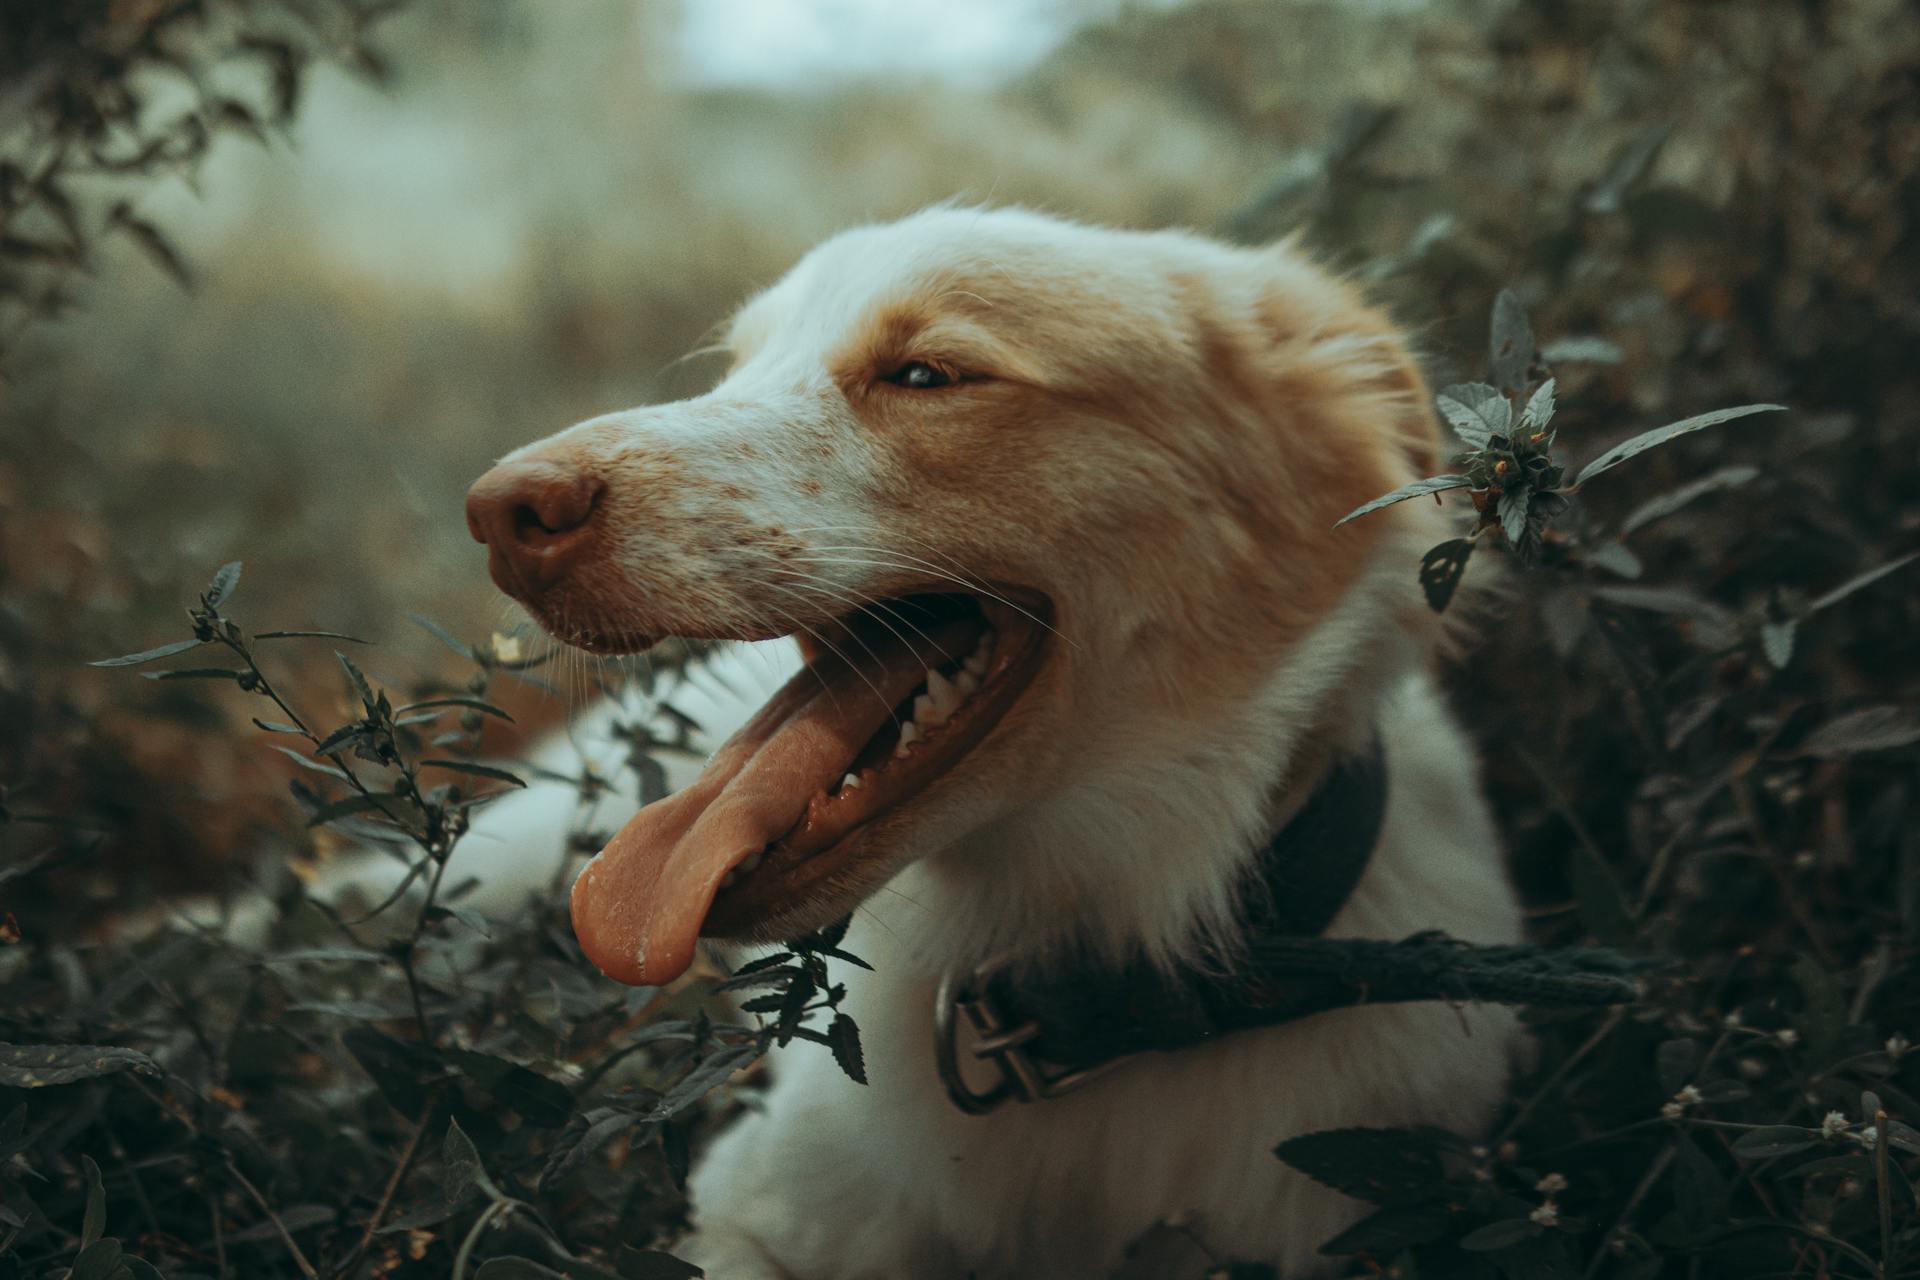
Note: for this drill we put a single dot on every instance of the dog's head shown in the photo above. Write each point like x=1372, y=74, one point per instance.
x=1024, y=490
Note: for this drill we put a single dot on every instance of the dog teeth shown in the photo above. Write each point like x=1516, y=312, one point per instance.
x=850, y=783
x=967, y=682
x=982, y=654
x=945, y=697
x=909, y=734
x=925, y=713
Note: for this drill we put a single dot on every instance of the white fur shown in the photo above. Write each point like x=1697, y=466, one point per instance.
x=1116, y=818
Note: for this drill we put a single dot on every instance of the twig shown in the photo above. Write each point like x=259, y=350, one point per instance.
x=394, y=1179
x=286, y=1237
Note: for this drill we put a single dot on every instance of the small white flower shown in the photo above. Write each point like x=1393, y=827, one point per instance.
x=1551, y=1183
x=1897, y=1045
x=1672, y=1110
x=507, y=648
x=1688, y=1095
x=1787, y=1037
x=1868, y=1137
x=1547, y=1215
x=1732, y=1021
x=1834, y=1124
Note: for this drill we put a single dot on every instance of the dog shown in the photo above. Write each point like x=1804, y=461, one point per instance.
x=1040, y=517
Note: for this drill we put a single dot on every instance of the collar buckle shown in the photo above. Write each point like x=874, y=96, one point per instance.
x=1022, y=1077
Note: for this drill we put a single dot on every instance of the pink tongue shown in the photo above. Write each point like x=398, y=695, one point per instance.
x=638, y=906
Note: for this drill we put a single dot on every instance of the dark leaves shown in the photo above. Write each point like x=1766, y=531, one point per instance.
x=1661, y=435
x=1881, y=728
x=1418, y=489
x=149, y=655
x=1381, y=1166
x=1441, y=570
x=36, y=1066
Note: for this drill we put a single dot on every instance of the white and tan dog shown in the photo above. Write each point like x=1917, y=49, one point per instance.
x=1087, y=478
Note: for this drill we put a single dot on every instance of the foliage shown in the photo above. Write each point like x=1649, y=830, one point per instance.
x=97, y=97
x=348, y=1098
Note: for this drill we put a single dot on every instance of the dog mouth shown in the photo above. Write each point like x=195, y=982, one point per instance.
x=897, y=695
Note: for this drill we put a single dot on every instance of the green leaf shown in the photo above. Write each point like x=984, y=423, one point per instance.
x=703, y=1079
x=1880, y=728
x=1776, y=642
x=1515, y=503
x=1510, y=348
x=223, y=584
x=1500, y=1235
x=1380, y=1166
x=843, y=1037
x=651, y=1264
x=1418, y=489
x=1773, y=1140
x=1441, y=570
x=196, y=673
x=1386, y=1232
x=1476, y=412
x=541, y=1102
x=472, y=704
x=306, y=762
x=94, y=1224
x=320, y=635
x=348, y=806
x=477, y=770
x=149, y=655
x=515, y=1269
x=1582, y=349
x=36, y=1066
x=441, y=634
x=97, y=1261
x=359, y=679
x=1699, y=1188
x=1866, y=579
x=462, y=1171
x=276, y=726
x=1661, y=435
x=1675, y=1062
x=1539, y=410
x=1664, y=505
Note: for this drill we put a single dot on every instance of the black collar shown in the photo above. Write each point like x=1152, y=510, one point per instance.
x=1050, y=1031
x=1082, y=1015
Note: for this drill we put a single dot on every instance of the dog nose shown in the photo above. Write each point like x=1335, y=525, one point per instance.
x=536, y=518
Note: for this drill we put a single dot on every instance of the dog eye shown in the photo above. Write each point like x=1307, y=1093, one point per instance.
x=917, y=375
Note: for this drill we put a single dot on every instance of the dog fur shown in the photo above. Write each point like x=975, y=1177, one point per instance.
x=1158, y=431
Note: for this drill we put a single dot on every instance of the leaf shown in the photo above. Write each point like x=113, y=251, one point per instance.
x=94, y=1224
x=322, y=635
x=1625, y=170
x=651, y=1264
x=1441, y=570
x=478, y=770
x=1675, y=1062
x=1500, y=1235
x=472, y=704
x=1776, y=642
x=462, y=1171
x=276, y=726
x=1880, y=728
x=1381, y=1166
x=1661, y=435
x=1515, y=504
x=223, y=584
x=441, y=634
x=703, y=1079
x=306, y=762
x=1823, y=1014
x=359, y=680
x=1539, y=410
x=347, y=806
x=1664, y=505
x=1386, y=1232
x=1699, y=1188
x=1773, y=1140
x=1510, y=348
x=36, y=1066
x=1713, y=627
x=1854, y=584
x=1476, y=412
x=97, y=1261
x=196, y=673
x=843, y=1037
x=152, y=243
x=1616, y=559
x=149, y=655
x=1418, y=489
x=541, y=1102
x=515, y=1269
x=1582, y=349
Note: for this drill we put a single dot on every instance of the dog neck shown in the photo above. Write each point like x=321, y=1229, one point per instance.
x=1144, y=855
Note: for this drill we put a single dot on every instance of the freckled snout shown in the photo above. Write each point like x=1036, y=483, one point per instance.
x=537, y=521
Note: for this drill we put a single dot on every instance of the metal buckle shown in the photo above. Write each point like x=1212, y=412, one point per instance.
x=1022, y=1079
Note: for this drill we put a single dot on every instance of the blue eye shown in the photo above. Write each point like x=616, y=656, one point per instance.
x=917, y=375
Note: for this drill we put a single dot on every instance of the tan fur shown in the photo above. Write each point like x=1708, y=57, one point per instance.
x=1159, y=432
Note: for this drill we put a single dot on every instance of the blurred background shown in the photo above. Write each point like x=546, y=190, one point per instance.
x=278, y=278
x=468, y=225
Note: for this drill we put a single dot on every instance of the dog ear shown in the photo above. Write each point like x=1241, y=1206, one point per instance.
x=1324, y=328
